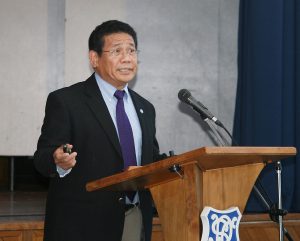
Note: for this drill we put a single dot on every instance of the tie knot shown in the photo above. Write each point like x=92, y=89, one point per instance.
x=119, y=94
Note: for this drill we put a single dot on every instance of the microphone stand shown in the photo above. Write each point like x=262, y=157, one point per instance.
x=218, y=138
x=275, y=211
x=280, y=222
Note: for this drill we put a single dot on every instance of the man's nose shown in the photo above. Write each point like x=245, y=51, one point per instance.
x=125, y=56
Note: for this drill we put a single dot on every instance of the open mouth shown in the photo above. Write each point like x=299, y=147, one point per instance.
x=125, y=70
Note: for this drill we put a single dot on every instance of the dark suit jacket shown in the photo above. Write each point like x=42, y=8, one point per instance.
x=78, y=115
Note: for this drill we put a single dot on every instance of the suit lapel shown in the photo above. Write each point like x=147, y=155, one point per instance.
x=140, y=110
x=97, y=105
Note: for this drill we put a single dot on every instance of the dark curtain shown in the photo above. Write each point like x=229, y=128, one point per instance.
x=268, y=91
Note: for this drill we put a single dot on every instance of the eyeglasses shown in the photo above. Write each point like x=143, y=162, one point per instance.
x=118, y=51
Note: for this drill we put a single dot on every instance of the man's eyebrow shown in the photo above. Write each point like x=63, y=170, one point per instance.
x=122, y=43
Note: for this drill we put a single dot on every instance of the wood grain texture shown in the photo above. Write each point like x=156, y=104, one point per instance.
x=21, y=219
x=258, y=227
x=207, y=158
x=219, y=177
x=179, y=203
x=227, y=187
x=11, y=236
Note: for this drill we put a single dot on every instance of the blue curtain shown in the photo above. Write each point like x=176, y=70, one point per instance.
x=268, y=91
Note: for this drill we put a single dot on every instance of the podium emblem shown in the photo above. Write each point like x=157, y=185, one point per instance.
x=220, y=225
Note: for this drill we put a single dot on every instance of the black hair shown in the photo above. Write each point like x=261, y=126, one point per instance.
x=96, y=39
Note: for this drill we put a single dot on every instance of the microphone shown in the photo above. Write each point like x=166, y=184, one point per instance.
x=185, y=96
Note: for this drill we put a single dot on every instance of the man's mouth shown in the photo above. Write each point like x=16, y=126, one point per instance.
x=125, y=70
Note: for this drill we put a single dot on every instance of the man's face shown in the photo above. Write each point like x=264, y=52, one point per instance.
x=118, y=62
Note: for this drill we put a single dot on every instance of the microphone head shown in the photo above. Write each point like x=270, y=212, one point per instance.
x=184, y=95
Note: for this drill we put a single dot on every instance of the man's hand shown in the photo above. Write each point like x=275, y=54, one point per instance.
x=64, y=160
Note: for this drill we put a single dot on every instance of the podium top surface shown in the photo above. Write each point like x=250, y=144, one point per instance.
x=206, y=158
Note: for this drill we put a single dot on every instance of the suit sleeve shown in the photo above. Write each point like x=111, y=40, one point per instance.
x=55, y=132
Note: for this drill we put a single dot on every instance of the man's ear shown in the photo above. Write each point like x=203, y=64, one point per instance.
x=94, y=57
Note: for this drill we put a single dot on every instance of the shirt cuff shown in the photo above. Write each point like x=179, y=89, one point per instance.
x=62, y=172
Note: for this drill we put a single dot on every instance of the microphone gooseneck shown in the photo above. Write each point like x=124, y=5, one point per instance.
x=185, y=96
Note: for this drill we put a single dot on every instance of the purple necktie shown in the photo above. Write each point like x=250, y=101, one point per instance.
x=125, y=136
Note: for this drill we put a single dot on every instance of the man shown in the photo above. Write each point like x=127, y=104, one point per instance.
x=85, y=117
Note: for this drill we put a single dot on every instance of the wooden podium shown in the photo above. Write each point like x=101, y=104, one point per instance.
x=219, y=177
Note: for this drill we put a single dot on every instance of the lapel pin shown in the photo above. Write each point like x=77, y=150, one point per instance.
x=141, y=110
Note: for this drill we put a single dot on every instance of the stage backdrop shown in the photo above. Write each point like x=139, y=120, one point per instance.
x=268, y=93
x=184, y=44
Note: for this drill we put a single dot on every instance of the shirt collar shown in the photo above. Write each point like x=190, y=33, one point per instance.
x=108, y=89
